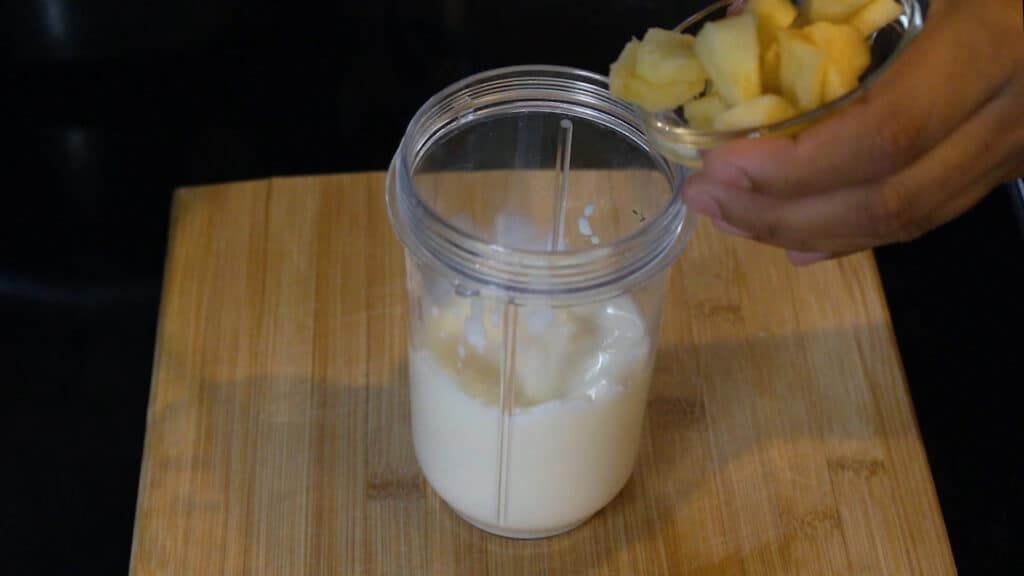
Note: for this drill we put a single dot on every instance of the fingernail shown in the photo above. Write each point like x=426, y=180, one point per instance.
x=699, y=199
x=730, y=229
x=798, y=258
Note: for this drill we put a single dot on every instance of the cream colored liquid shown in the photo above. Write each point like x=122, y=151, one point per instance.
x=580, y=388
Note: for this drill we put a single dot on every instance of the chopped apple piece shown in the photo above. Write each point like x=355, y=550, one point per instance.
x=772, y=15
x=664, y=57
x=766, y=36
x=801, y=69
x=848, y=56
x=843, y=45
x=770, y=68
x=668, y=38
x=766, y=109
x=624, y=83
x=830, y=10
x=701, y=113
x=778, y=13
x=876, y=14
x=729, y=50
x=836, y=83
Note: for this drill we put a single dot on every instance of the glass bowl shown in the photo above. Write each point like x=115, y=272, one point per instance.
x=671, y=136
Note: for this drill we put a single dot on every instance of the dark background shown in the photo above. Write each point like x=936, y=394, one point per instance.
x=108, y=106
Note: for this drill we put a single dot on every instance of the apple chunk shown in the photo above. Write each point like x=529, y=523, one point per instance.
x=842, y=44
x=729, y=50
x=625, y=83
x=836, y=83
x=770, y=68
x=875, y=15
x=766, y=109
x=801, y=69
x=772, y=15
x=847, y=53
x=701, y=113
x=830, y=10
x=778, y=13
x=664, y=57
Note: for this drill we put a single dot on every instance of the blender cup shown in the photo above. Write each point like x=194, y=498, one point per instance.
x=538, y=225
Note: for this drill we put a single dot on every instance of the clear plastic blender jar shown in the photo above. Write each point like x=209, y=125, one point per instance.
x=538, y=225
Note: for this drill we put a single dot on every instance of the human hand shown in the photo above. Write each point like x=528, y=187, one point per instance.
x=940, y=128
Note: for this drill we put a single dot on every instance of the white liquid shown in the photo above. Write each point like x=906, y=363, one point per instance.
x=581, y=385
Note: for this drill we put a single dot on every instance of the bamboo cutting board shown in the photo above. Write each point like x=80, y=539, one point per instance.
x=779, y=439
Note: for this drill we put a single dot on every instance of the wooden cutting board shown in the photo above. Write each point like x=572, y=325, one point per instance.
x=779, y=439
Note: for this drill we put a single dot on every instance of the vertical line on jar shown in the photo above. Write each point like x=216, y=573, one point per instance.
x=563, y=163
x=507, y=394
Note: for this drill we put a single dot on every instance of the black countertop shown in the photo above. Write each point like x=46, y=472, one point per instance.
x=110, y=106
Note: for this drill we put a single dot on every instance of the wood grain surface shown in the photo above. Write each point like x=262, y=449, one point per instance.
x=780, y=438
